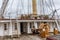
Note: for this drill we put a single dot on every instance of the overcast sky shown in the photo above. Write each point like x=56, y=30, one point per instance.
x=23, y=6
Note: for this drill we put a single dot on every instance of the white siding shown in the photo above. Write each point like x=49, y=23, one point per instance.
x=52, y=25
x=35, y=24
x=28, y=28
x=19, y=31
x=1, y=29
x=10, y=29
x=6, y=32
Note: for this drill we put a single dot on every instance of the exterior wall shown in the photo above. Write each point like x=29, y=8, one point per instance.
x=52, y=26
x=55, y=25
x=35, y=24
x=13, y=29
x=6, y=32
x=10, y=28
x=28, y=27
x=29, y=31
x=1, y=29
x=15, y=32
x=19, y=31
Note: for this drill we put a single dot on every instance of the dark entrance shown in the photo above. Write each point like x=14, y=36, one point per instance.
x=23, y=26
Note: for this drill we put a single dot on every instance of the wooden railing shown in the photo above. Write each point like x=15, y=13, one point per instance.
x=35, y=16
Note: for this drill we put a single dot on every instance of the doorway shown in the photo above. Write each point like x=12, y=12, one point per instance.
x=23, y=26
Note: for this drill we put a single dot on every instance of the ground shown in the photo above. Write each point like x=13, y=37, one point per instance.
x=26, y=37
